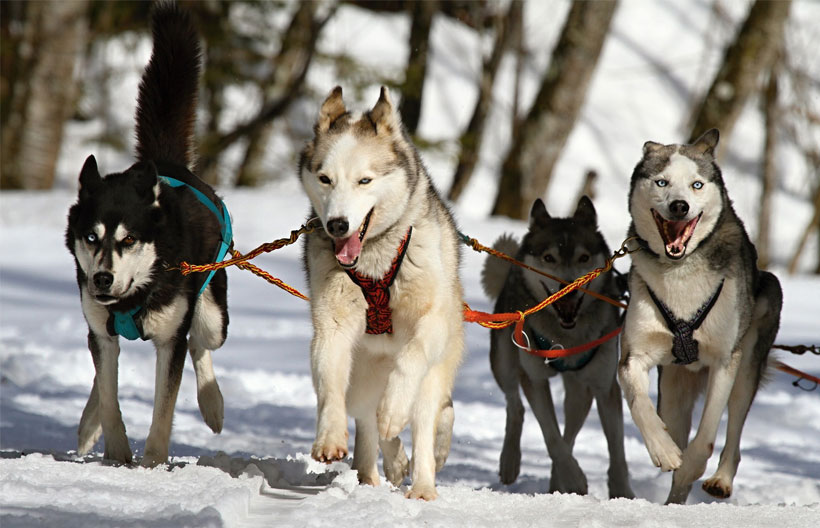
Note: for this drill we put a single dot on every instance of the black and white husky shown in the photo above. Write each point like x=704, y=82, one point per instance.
x=128, y=228
x=700, y=308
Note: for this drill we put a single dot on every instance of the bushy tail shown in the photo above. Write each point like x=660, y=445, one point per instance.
x=495, y=270
x=166, y=109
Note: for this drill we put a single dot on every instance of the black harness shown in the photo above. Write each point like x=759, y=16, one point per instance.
x=684, y=345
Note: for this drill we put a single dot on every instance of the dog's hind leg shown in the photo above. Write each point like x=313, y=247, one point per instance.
x=105, y=351
x=170, y=362
x=566, y=475
x=506, y=370
x=366, y=451
x=90, y=428
x=678, y=388
x=755, y=348
x=396, y=464
x=208, y=395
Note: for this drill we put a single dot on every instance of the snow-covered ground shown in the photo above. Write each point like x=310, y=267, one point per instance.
x=257, y=471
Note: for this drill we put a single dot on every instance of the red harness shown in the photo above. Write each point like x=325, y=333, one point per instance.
x=377, y=292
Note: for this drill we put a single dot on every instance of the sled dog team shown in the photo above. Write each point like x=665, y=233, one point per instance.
x=386, y=302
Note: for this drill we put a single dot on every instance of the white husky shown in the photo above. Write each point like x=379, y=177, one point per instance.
x=386, y=301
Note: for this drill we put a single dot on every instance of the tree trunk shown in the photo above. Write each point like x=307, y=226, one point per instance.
x=472, y=137
x=538, y=142
x=752, y=53
x=769, y=176
x=44, y=98
x=413, y=87
x=804, y=237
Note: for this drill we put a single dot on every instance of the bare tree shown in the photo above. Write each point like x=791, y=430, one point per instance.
x=771, y=115
x=538, y=142
x=507, y=27
x=43, y=93
x=750, y=55
x=413, y=87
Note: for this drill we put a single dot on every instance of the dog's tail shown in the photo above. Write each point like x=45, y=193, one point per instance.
x=166, y=107
x=495, y=270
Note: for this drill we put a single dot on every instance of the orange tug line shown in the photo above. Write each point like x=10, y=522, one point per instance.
x=487, y=320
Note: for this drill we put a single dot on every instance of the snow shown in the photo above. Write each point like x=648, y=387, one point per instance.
x=258, y=471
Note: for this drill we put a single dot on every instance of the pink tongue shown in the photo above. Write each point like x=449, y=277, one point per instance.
x=348, y=249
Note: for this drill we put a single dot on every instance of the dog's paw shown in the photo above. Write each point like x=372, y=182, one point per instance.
x=718, y=488
x=152, y=459
x=330, y=447
x=397, y=468
x=664, y=452
x=510, y=464
x=117, y=451
x=87, y=436
x=211, y=406
x=567, y=477
x=423, y=492
x=393, y=415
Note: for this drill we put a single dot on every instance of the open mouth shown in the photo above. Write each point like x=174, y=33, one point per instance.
x=675, y=234
x=105, y=299
x=567, y=307
x=348, y=249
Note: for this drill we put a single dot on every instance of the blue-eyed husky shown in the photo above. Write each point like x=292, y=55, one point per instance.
x=127, y=228
x=700, y=308
x=386, y=300
x=567, y=248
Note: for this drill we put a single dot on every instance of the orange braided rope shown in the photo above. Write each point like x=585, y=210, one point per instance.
x=477, y=246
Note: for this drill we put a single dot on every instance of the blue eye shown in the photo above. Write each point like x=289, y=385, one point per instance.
x=661, y=183
x=697, y=185
x=91, y=238
x=365, y=181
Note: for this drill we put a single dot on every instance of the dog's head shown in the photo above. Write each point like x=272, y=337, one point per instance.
x=566, y=248
x=677, y=195
x=111, y=230
x=359, y=172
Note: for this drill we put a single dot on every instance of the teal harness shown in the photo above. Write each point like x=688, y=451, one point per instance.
x=560, y=364
x=124, y=323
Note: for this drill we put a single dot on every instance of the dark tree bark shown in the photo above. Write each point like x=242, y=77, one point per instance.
x=771, y=113
x=42, y=97
x=750, y=55
x=413, y=88
x=471, y=139
x=538, y=142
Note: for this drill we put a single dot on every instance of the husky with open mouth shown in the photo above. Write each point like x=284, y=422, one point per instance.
x=386, y=300
x=566, y=248
x=127, y=228
x=700, y=308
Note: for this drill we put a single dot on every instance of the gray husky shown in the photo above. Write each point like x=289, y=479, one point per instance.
x=566, y=248
x=386, y=300
x=700, y=309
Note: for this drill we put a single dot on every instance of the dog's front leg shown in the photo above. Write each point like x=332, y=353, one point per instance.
x=633, y=372
x=105, y=352
x=170, y=362
x=721, y=380
x=330, y=360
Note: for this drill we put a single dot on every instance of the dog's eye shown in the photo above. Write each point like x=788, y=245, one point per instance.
x=697, y=185
x=91, y=238
x=365, y=181
x=324, y=179
x=661, y=183
x=128, y=241
x=583, y=258
x=549, y=259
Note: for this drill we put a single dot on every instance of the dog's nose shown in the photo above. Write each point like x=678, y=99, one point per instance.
x=679, y=208
x=103, y=280
x=337, y=227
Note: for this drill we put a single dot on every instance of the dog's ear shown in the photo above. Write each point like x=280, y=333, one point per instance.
x=538, y=214
x=146, y=182
x=585, y=212
x=331, y=110
x=706, y=143
x=650, y=147
x=384, y=116
x=90, y=177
